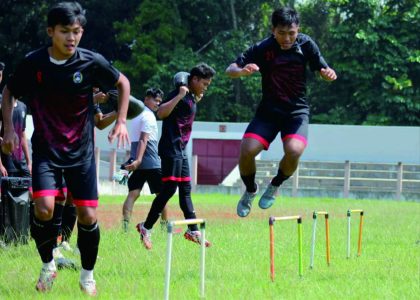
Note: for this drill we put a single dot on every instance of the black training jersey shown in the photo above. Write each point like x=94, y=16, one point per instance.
x=177, y=127
x=19, y=123
x=283, y=72
x=60, y=98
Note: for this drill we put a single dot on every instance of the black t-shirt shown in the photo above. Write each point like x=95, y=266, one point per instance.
x=177, y=127
x=283, y=72
x=19, y=123
x=60, y=98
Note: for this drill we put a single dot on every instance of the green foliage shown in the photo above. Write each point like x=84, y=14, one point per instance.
x=372, y=44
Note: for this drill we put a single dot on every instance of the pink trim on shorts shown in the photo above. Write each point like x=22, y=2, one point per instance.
x=81, y=202
x=295, y=136
x=177, y=179
x=259, y=138
x=46, y=193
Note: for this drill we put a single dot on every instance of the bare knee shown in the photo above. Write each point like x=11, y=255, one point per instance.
x=43, y=213
x=250, y=148
x=86, y=215
x=294, y=148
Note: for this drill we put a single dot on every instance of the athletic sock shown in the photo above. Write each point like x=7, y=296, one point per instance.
x=45, y=235
x=86, y=275
x=279, y=178
x=58, y=218
x=50, y=266
x=69, y=220
x=249, y=181
x=88, y=242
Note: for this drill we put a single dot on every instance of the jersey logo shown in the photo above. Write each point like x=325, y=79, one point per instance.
x=77, y=77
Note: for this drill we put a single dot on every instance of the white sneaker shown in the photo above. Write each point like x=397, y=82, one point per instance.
x=57, y=253
x=66, y=246
x=88, y=287
x=46, y=280
x=145, y=236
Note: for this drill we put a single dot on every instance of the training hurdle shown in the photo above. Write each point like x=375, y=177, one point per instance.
x=271, y=225
x=359, y=244
x=170, y=228
x=327, y=236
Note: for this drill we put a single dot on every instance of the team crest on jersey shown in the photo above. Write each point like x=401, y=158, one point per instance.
x=77, y=77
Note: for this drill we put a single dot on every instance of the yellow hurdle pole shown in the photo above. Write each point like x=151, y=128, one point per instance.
x=359, y=244
x=327, y=237
x=359, y=247
x=271, y=225
x=299, y=221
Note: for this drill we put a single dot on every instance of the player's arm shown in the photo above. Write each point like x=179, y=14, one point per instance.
x=3, y=171
x=25, y=149
x=102, y=121
x=10, y=139
x=165, y=109
x=328, y=74
x=235, y=71
x=141, y=148
x=120, y=128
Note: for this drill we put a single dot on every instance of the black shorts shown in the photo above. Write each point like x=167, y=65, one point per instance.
x=139, y=177
x=175, y=169
x=265, y=130
x=47, y=180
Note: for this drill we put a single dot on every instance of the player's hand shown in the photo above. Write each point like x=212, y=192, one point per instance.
x=249, y=69
x=328, y=74
x=3, y=171
x=183, y=90
x=100, y=97
x=133, y=166
x=10, y=142
x=120, y=132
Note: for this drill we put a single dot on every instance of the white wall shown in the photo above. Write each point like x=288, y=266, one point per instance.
x=382, y=144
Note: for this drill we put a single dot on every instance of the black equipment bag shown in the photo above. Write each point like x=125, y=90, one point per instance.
x=15, y=210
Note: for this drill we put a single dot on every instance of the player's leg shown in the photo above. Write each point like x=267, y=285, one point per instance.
x=258, y=136
x=294, y=137
x=82, y=184
x=135, y=184
x=154, y=180
x=44, y=230
x=170, y=172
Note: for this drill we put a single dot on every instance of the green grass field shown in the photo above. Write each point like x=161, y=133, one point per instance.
x=237, y=265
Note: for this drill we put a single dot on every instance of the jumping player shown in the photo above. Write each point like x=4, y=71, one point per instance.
x=144, y=153
x=281, y=59
x=178, y=112
x=57, y=81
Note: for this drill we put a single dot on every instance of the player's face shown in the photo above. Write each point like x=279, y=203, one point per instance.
x=153, y=103
x=199, y=86
x=65, y=39
x=286, y=35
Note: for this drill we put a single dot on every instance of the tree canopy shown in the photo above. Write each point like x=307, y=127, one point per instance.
x=372, y=44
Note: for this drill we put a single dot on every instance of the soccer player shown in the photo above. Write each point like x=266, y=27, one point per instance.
x=57, y=81
x=281, y=59
x=177, y=113
x=144, y=153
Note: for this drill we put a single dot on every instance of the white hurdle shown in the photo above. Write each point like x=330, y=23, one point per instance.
x=170, y=227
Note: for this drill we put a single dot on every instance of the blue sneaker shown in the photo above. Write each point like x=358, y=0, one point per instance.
x=244, y=205
x=267, y=199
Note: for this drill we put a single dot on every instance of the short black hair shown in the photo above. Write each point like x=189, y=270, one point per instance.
x=284, y=16
x=2, y=65
x=154, y=92
x=66, y=13
x=202, y=70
